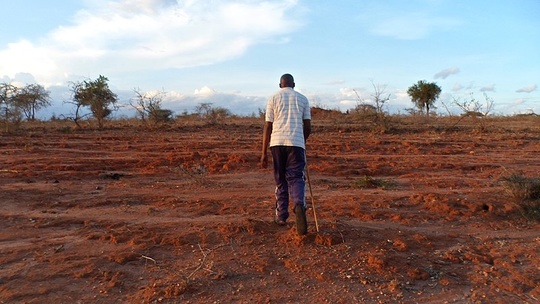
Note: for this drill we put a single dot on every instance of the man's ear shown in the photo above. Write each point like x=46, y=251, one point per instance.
x=280, y=85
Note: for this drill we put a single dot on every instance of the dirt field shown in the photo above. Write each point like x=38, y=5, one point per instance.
x=183, y=214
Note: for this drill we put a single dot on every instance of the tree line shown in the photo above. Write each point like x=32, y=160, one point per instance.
x=89, y=98
x=92, y=98
x=95, y=98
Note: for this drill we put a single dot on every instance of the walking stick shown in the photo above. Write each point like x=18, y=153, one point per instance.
x=312, y=199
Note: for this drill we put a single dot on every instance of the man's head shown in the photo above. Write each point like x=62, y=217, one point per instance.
x=286, y=81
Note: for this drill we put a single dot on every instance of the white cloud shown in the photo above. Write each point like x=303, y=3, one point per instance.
x=457, y=87
x=121, y=36
x=335, y=82
x=347, y=104
x=21, y=78
x=348, y=92
x=518, y=101
x=490, y=88
x=205, y=92
x=237, y=104
x=527, y=89
x=447, y=72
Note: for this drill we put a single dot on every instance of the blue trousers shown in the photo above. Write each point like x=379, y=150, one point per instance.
x=289, y=165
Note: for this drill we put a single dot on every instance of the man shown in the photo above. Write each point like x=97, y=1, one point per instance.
x=287, y=127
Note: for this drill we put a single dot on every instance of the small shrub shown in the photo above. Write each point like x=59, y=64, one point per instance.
x=65, y=129
x=196, y=173
x=371, y=183
x=160, y=115
x=212, y=115
x=526, y=193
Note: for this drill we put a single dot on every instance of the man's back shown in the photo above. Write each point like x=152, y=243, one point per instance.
x=287, y=110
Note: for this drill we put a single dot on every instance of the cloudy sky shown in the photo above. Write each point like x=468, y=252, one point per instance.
x=232, y=52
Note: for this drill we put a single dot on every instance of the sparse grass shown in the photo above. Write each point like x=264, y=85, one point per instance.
x=368, y=182
x=526, y=193
x=196, y=173
x=65, y=129
x=398, y=123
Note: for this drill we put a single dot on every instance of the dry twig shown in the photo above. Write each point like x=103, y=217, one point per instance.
x=203, y=260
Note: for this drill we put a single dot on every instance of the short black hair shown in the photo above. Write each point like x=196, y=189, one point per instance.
x=287, y=80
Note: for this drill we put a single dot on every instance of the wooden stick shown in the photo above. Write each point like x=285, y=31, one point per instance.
x=312, y=199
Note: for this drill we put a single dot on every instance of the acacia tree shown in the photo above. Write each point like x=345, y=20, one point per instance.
x=424, y=94
x=96, y=95
x=30, y=99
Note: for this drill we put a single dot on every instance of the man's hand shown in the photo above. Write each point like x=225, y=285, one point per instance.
x=264, y=161
x=267, y=133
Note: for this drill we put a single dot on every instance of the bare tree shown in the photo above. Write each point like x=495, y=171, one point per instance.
x=379, y=98
x=77, y=116
x=474, y=107
x=148, y=107
x=6, y=92
x=7, y=111
x=210, y=114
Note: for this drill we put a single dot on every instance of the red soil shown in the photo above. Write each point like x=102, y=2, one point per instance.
x=185, y=215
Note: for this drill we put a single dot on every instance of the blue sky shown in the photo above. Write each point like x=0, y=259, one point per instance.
x=232, y=52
